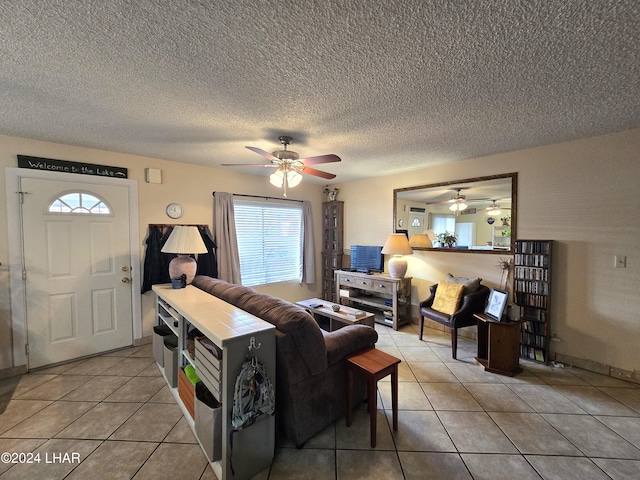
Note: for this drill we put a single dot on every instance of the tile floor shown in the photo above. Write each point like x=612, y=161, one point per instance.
x=117, y=416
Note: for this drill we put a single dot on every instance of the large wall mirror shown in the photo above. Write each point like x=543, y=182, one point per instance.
x=471, y=215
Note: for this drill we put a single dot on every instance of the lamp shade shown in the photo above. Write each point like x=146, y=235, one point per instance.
x=293, y=178
x=424, y=239
x=420, y=240
x=397, y=245
x=183, y=241
x=277, y=178
x=458, y=206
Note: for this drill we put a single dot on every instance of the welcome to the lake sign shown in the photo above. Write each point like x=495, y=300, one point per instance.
x=51, y=165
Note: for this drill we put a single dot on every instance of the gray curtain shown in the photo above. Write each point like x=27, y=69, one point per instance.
x=225, y=238
x=308, y=247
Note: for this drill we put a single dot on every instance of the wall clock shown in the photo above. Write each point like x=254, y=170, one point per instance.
x=174, y=210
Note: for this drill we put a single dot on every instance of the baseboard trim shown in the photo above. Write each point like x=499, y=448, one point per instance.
x=597, y=367
x=13, y=371
x=138, y=342
x=585, y=364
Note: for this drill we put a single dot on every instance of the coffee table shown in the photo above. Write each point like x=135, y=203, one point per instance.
x=345, y=316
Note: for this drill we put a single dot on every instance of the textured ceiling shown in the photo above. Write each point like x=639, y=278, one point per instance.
x=387, y=85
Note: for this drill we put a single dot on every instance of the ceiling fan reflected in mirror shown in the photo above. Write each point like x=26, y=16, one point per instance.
x=494, y=209
x=458, y=202
x=289, y=166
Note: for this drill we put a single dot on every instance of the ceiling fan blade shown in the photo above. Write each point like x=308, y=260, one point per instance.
x=329, y=158
x=317, y=173
x=268, y=165
x=259, y=151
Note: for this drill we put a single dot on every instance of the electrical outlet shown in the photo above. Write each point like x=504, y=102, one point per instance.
x=620, y=261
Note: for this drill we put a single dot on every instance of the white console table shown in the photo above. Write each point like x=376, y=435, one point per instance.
x=389, y=297
x=234, y=332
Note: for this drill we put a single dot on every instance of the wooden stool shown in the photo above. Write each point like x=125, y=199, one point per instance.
x=373, y=365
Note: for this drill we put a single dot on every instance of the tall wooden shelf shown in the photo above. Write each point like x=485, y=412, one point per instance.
x=332, y=246
x=532, y=291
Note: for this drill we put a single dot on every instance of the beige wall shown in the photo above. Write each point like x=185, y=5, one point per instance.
x=581, y=194
x=190, y=185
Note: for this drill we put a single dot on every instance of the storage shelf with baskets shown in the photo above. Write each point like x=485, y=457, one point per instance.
x=217, y=355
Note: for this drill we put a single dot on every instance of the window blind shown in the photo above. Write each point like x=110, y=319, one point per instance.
x=270, y=242
x=443, y=223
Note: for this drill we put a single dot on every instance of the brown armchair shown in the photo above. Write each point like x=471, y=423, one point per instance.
x=472, y=302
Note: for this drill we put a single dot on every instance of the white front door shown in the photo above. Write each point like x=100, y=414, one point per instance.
x=466, y=234
x=78, y=262
x=416, y=223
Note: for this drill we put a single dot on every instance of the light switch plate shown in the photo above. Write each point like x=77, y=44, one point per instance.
x=620, y=261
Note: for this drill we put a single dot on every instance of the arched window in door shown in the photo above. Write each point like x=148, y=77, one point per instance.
x=82, y=203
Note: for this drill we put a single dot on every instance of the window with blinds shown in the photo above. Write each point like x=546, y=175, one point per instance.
x=269, y=240
x=443, y=223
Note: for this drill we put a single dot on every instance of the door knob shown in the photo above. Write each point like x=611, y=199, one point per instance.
x=125, y=269
x=126, y=280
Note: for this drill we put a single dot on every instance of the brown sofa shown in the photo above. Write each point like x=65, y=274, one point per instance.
x=310, y=367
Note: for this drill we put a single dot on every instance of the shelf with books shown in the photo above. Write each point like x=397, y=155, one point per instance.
x=532, y=292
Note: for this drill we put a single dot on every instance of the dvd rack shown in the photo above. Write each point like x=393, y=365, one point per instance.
x=532, y=292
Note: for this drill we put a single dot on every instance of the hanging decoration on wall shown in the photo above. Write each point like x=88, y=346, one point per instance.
x=64, y=166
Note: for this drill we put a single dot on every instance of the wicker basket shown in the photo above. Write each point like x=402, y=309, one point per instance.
x=191, y=348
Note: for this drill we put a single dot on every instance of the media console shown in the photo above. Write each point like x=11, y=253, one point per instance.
x=389, y=298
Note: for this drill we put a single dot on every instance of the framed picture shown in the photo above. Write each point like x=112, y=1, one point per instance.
x=496, y=303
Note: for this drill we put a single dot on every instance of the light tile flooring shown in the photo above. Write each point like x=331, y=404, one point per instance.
x=117, y=416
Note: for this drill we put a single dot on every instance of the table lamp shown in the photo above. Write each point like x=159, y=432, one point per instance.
x=184, y=241
x=423, y=240
x=397, y=245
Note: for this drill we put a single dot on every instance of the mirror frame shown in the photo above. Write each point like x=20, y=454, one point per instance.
x=514, y=215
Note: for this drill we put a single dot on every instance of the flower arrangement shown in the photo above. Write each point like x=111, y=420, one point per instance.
x=447, y=239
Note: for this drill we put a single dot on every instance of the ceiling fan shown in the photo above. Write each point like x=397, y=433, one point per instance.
x=495, y=209
x=289, y=165
x=458, y=202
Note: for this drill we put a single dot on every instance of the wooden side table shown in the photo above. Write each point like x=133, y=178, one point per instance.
x=373, y=364
x=498, y=345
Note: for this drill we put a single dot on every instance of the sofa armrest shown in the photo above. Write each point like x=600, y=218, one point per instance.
x=348, y=340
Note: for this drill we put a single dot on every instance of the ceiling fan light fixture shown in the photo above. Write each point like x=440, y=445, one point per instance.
x=293, y=178
x=277, y=178
x=493, y=210
x=458, y=206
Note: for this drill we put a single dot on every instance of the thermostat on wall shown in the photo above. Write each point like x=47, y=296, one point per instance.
x=153, y=175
